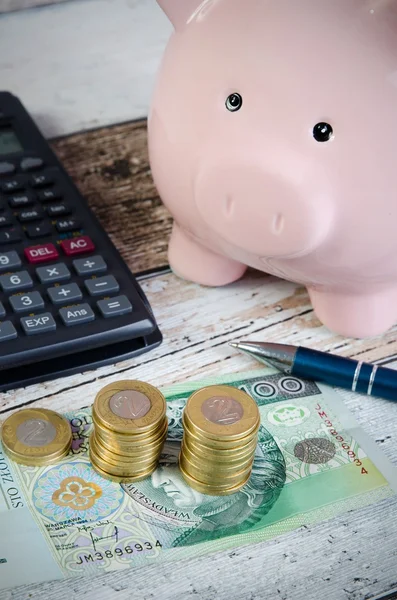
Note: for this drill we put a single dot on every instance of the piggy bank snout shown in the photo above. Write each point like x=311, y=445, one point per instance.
x=260, y=212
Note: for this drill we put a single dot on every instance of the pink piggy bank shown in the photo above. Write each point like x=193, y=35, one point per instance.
x=273, y=143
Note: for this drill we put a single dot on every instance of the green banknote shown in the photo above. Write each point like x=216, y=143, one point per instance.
x=312, y=462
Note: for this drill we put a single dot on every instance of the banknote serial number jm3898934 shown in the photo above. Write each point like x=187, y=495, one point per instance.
x=339, y=438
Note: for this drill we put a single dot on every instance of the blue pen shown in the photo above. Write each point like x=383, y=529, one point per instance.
x=321, y=366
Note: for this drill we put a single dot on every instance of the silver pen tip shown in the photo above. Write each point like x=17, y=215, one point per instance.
x=246, y=346
x=280, y=356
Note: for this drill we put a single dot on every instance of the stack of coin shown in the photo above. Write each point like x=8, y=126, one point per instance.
x=36, y=437
x=130, y=428
x=220, y=436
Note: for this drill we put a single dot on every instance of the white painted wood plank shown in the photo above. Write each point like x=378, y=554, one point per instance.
x=83, y=64
x=12, y=5
x=351, y=557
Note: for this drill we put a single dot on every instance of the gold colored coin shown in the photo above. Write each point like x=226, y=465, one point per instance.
x=226, y=456
x=221, y=440
x=130, y=428
x=220, y=443
x=214, y=477
x=131, y=451
x=223, y=449
x=211, y=490
x=222, y=412
x=120, y=479
x=36, y=436
x=131, y=443
x=200, y=450
x=221, y=425
x=209, y=465
x=131, y=462
x=36, y=462
x=129, y=406
x=121, y=471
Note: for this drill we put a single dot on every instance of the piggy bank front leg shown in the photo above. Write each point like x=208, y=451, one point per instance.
x=190, y=260
x=358, y=315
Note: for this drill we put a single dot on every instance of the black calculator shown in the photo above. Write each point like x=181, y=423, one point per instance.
x=68, y=302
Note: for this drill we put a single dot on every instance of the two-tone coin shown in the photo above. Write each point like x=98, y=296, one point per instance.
x=128, y=407
x=221, y=413
x=210, y=489
x=221, y=425
x=130, y=428
x=36, y=436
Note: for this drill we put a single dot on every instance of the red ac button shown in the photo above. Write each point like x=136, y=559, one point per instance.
x=77, y=245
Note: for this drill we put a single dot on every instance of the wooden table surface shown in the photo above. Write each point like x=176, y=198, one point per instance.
x=352, y=557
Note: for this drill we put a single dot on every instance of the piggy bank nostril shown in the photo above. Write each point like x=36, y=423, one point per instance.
x=278, y=224
x=256, y=211
x=229, y=206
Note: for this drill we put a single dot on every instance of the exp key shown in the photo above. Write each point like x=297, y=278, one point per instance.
x=38, y=324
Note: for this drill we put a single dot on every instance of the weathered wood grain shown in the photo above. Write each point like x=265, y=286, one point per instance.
x=353, y=557
x=111, y=168
x=342, y=559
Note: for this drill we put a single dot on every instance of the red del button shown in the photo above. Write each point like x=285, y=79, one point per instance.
x=39, y=254
x=77, y=245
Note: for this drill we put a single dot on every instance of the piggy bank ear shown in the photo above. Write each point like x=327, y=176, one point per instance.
x=179, y=11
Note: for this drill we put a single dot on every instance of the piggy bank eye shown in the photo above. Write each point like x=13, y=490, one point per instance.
x=322, y=132
x=234, y=102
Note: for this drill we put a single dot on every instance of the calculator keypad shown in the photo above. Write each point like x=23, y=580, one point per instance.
x=31, y=163
x=42, y=180
x=9, y=260
x=12, y=185
x=38, y=324
x=65, y=293
x=102, y=285
x=27, y=302
x=5, y=221
x=37, y=231
x=17, y=281
x=41, y=253
x=76, y=315
x=30, y=215
x=6, y=168
x=58, y=210
x=115, y=307
x=54, y=273
x=68, y=282
x=7, y=331
x=68, y=225
x=49, y=195
x=21, y=200
x=10, y=236
x=89, y=266
x=78, y=245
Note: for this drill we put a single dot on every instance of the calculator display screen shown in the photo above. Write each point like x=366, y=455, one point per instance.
x=9, y=141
